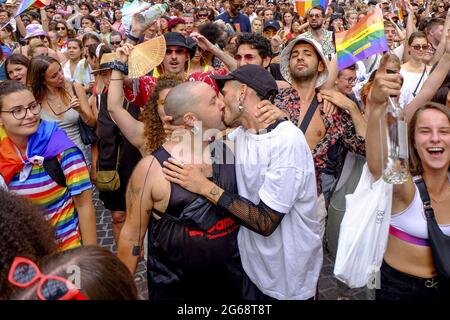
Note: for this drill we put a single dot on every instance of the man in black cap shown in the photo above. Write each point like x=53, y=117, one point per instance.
x=178, y=53
x=271, y=28
x=279, y=243
x=270, y=32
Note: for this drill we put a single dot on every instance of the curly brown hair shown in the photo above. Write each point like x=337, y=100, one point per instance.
x=153, y=126
x=23, y=232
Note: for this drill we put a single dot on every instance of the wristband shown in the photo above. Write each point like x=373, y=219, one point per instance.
x=120, y=66
x=132, y=38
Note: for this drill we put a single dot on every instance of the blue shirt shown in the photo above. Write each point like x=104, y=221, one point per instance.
x=240, y=23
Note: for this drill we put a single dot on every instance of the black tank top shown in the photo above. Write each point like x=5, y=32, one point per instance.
x=192, y=249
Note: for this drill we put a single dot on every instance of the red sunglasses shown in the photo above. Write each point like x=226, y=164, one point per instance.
x=25, y=273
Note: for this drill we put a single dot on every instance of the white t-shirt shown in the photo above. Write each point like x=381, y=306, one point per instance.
x=410, y=82
x=277, y=168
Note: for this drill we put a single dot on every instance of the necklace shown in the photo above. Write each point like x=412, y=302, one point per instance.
x=59, y=108
x=441, y=200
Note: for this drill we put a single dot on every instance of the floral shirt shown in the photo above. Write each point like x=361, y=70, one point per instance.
x=339, y=128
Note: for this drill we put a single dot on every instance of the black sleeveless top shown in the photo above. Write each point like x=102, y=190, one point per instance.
x=192, y=249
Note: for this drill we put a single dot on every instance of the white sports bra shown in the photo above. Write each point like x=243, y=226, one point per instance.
x=412, y=222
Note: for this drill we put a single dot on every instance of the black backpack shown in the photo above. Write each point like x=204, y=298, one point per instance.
x=54, y=170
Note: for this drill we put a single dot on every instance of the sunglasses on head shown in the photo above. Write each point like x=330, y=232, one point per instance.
x=177, y=51
x=25, y=273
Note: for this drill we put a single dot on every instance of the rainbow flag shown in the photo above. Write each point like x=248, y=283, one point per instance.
x=400, y=13
x=362, y=40
x=25, y=4
x=302, y=6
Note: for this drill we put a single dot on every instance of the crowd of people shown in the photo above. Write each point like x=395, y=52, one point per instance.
x=253, y=126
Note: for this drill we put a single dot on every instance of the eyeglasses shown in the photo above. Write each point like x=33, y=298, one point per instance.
x=315, y=15
x=115, y=43
x=247, y=57
x=177, y=51
x=60, y=28
x=21, y=112
x=424, y=47
x=25, y=273
x=350, y=80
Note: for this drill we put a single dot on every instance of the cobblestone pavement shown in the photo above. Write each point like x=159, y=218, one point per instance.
x=328, y=288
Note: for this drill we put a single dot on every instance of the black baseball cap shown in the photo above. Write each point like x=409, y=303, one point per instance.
x=256, y=77
x=272, y=24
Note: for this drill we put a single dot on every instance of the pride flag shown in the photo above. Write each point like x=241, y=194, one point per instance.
x=25, y=4
x=302, y=6
x=362, y=40
x=400, y=13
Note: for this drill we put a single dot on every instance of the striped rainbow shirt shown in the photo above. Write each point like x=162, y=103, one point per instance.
x=46, y=193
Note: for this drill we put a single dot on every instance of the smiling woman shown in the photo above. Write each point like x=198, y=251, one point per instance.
x=27, y=145
x=60, y=103
x=409, y=270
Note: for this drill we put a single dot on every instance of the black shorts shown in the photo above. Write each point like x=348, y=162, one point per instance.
x=396, y=285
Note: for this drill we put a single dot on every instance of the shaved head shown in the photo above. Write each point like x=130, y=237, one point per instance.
x=182, y=99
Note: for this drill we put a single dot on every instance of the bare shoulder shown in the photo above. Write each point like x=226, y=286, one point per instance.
x=145, y=167
x=149, y=176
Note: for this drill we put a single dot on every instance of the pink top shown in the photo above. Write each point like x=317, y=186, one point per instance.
x=119, y=27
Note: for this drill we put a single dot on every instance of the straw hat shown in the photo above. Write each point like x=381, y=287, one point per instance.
x=106, y=62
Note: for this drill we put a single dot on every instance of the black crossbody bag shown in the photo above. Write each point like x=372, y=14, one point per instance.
x=439, y=242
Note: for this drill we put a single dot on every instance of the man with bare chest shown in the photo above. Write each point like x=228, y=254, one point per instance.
x=304, y=66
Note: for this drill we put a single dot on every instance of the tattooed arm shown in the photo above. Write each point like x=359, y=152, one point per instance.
x=139, y=203
x=259, y=218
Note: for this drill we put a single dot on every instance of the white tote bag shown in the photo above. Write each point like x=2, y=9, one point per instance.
x=364, y=231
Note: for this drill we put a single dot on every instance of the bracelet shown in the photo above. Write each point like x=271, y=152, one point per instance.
x=132, y=38
x=120, y=66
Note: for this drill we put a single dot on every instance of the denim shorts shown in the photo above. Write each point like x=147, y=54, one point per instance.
x=396, y=285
